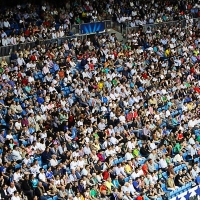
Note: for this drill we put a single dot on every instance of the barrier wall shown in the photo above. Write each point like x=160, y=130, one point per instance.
x=193, y=193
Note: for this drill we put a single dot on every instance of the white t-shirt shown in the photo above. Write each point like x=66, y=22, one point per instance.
x=42, y=177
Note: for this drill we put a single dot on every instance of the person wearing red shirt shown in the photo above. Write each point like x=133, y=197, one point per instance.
x=103, y=189
x=34, y=57
x=129, y=117
x=91, y=65
x=145, y=168
x=25, y=81
x=145, y=75
x=27, y=32
x=105, y=175
x=180, y=135
x=135, y=114
x=115, y=54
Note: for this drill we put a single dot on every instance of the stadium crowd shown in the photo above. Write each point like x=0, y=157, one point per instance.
x=99, y=119
x=30, y=22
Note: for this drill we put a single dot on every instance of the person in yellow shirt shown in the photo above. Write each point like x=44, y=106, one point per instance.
x=3, y=62
x=167, y=52
x=128, y=168
x=196, y=52
x=109, y=185
x=190, y=106
x=100, y=84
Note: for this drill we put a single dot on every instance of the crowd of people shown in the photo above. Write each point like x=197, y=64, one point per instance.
x=98, y=118
x=30, y=22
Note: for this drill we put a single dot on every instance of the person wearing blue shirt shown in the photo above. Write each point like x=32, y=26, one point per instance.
x=197, y=180
x=116, y=182
x=104, y=100
x=194, y=59
x=3, y=171
x=174, y=122
x=49, y=174
x=40, y=99
x=136, y=185
x=56, y=67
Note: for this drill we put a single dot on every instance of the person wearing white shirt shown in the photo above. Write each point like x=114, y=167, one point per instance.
x=22, y=39
x=119, y=170
x=16, y=154
x=85, y=171
x=11, y=189
x=27, y=160
x=195, y=171
x=34, y=170
x=81, y=162
x=113, y=140
x=191, y=123
x=87, y=149
x=178, y=158
x=101, y=125
x=130, y=144
x=128, y=155
x=42, y=176
x=20, y=61
x=4, y=41
x=17, y=176
x=53, y=35
x=53, y=161
x=6, y=24
x=44, y=107
x=153, y=145
x=192, y=140
x=162, y=163
x=13, y=40
x=122, y=119
x=62, y=34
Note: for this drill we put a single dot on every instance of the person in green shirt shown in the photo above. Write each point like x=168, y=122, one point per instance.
x=164, y=99
x=93, y=192
x=198, y=138
x=114, y=82
x=177, y=148
x=78, y=20
x=136, y=151
x=1, y=70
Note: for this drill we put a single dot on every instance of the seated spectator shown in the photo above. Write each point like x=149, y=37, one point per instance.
x=170, y=183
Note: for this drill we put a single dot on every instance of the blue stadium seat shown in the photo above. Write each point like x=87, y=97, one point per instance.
x=25, y=143
x=126, y=179
x=115, y=162
x=18, y=166
x=45, y=167
x=120, y=160
x=55, y=198
x=156, y=166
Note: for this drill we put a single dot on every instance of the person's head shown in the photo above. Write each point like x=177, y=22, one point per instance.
x=12, y=184
x=5, y=187
x=16, y=193
x=40, y=184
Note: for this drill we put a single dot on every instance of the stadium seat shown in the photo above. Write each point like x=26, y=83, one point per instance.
x=120, y=160
x=18, y=166
x=126, y=179
x=45, y=167
x=115, y=162
x=156, y=166
x=24, y=143
x=55, y=198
